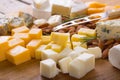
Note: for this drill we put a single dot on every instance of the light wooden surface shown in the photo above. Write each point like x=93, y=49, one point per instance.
x=30, y=70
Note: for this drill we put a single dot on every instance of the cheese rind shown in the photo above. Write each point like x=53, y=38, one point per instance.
x=48, y=68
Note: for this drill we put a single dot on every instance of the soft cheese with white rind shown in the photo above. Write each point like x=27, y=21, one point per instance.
x=114, y=56
x=81, y=65
x=48, y=68
x=40, y=22
x=64, y=63
x=95, y=51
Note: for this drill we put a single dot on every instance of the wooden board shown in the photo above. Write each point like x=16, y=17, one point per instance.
x=30, y=70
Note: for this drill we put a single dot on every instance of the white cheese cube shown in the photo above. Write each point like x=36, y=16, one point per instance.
x=48, y=68
x=74, y=54
x=79, y=49
x=40, y=22
x=109, y=29
x=64, y=63
x=64, y=53
x=95, y=51
x=114, y=56
x=55, y=20
x=81, y=65
x=49, y=53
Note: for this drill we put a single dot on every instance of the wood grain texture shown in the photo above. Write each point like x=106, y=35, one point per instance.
x=30, y=70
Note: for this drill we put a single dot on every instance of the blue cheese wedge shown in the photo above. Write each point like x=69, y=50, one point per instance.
x=108, y=29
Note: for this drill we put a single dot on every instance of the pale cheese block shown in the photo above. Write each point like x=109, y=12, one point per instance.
x=81, y=65
x=40, y=22
x=95, y=51
x=81, y=44
x=78, y=38
x=45, y=39
x=56, y=47
x=18, y=55
x=55, y=20
x=114, y=56
x=80, y=49
x=33, y=45
x=74, y=54
x=49, y=53
x=64, y=63
x=48, y=68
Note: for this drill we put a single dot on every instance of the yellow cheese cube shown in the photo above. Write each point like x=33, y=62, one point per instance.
x=33, y=45
x=38, y=51
x=2, y=55
x=69, y=45
x=88, y=32
x=75, y=44
x=56, y=47
x=60, y=38
x=45, y=39
x=23, y=36
x=18, y=55
x=96, y=5
x=22, y=29
x=14, y=42
x=35, y=33
x=77, y=38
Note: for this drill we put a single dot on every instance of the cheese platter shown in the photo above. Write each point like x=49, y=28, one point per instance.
x=75, y=41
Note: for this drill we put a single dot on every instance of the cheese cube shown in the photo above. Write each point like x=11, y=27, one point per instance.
x=2, y=55
x=49, y=54
x=95, y=51
x=40, y=22
x=78, y=38
x=23, y=36
x=83, y=44
x=96, y=5
x=55, y=20
x=81, y=65
x=60, y=38
x=95, y=10
x=87, y=32
x=14, y=42
x=33, y=45
x=64, y=53
x=18, y=55
x=35, y=33
x=74, y=54
x=56, y=47
x=108, y=29
x=38, y=51
x=45, y=39
x=64, y=63
x=69, y=45
x=79, y=49
x=22, y=29
x=48, y=68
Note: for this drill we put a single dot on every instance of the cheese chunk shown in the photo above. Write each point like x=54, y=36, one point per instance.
x=81, y=65
x=81, y=44
x=95, y=51
x=96, y=5
x=108, y=29
x=14, y=42
x=55, y=20
x=95, y=10
x=60, y=38
x=74, y=54
x=64, y=52
x=78, y=38
x=64, y=63
x=2, y=55
x=79, y=49
x=48, y=68
x=45, y=39
x=40, y=22
x=38, y=51
x=35, y=33
x=49, y=53
x=56, y=47
x=23, y=36
x=87, y=32
x=18, y=55
x=22, y=29
x=33, y=45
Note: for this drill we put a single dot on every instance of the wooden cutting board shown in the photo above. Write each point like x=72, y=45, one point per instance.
x=30, y=70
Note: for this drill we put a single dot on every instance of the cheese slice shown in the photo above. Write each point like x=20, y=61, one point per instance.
x=18, y=55
x=48, y=68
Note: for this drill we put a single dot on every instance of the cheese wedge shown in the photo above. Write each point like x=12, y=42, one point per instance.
x=49, y=53
x=33, y=45
x=81, y=65
x=22, y=29
x=64, y=63
x=35, y=33
x=48, y=68
x=18, y=55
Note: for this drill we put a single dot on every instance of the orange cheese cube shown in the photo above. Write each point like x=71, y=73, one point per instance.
x=18, y=55
x=33, y=45
x=95, y=10
x=117, y=7
x=45, y=39
x=35, y=33
x=96, y=5
x=22, y=29
x=14, y=42
x=23, y=36
x=2, y=55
